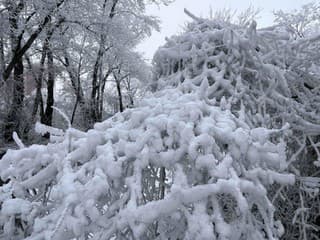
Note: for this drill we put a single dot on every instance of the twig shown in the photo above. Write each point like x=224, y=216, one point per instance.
x=186, y=11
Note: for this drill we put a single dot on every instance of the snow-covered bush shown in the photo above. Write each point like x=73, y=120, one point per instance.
x=266, y=77
x=175, y=167
x=301, y=55
x=189, y=162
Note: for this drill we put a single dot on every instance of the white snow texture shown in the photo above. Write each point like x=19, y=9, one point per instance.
x=186, y=163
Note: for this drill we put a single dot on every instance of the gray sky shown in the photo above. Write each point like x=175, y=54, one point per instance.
x=173, y=17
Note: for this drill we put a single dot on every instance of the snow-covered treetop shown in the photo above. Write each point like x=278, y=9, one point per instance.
x=180, y=165
x=266, y=73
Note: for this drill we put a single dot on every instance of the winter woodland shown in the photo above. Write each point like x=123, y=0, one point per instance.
x=218, y=139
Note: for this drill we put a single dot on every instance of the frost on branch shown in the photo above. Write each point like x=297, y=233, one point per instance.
x=179, y=166
x=260, y=75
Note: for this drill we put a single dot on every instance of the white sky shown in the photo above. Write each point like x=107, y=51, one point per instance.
x=173, y=17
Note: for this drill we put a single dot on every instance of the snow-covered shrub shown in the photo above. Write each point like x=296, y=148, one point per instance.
x=175, y=167
x=266, y=77
x=187, y=163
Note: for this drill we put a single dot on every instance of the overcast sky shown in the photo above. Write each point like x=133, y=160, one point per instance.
x=173, y=17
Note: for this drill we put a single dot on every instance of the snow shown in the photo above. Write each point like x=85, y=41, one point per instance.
x=15, y=206
x=107, y=182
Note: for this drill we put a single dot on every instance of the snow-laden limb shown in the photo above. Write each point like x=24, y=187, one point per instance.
x=17, y=140
x=64, y=116
x=108, y=186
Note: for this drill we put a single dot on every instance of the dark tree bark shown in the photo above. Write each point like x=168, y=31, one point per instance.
x=47, y=117
x=162, y=183
x=2, y=65
x=118, y=79
x=95, y=85
x=74, y=111
x=14, y=117
x=78, y=84
x=38, y=101
x=129, y=89
x=102, y=89
x=118, y=84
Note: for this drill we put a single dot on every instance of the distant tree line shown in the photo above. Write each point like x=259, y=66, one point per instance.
x=67, y=51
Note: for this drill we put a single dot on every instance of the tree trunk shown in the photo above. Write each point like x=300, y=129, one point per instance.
x=121, y=108
x=102, y=89
x=75, y=82
x=97, y=82
x=74, y=111
x=47, y=118
x=38, y=101
x=2, y=64
x=162, y=183
x=14, y=117
x=78, y=99
x=128, y=81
